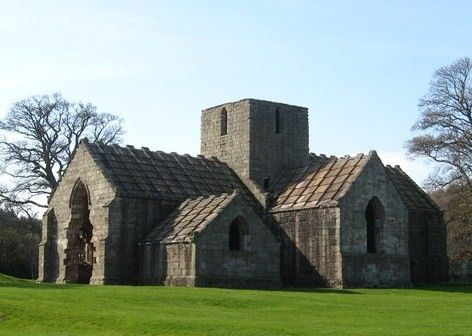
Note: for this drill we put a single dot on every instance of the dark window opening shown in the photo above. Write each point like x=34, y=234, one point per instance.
x=80, y=250
x=224, y=121
x=374, y=215
x=278, y=126
x=424, y=239
x=266, y=183
x=236, y=235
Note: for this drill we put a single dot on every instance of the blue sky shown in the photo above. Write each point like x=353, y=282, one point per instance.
x=359, y=66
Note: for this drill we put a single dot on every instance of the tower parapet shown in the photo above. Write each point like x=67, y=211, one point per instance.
x=257, y=138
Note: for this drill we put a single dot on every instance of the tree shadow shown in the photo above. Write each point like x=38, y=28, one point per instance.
x=318, y=290
x=12, y=282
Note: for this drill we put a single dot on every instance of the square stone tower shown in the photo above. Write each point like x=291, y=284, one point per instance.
x=257, y=138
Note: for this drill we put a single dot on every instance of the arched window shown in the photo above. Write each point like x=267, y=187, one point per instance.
x=278, y=125
x=237, y=231
x=224, y=121
x=79, y=253
x=374, y=215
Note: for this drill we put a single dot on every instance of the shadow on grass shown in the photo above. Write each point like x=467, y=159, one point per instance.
x=294, y=289
x=449, y=288
x=318, y=290
x=12, y=282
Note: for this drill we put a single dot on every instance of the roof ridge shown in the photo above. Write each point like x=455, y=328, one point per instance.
x=220, y=201
x=161, y=154
x=197, y=202
x=148, y=153
x=172, y=176
x=331, y=163
x=425, y=195
x=343, y=183
x=175, y=156
x=321, y=185
x=201, y=199
x=369, y=156
x=340, y=168
x=144, y=148
x=186, y=213
x=138, y=167
x=168, y=231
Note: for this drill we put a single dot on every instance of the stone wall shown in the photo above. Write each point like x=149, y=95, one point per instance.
x=256, y=264
x=232, y=148
x=180, y=264
x=251, y=146
x=208, y=261
x=130, y=221
x=461, y=272
x=152, y=264
x=167, y=264
x=56, y=234
x=389, y=266
x=310, y=247
x=48, y=252
x=119, y=224
x=428, y=247
x=271, y=152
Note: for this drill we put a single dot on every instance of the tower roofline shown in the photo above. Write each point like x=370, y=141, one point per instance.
x=254, y=100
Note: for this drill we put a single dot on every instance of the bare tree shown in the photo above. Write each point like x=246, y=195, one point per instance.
x=445, y=125
x=40, y=134
x=457, y=204
x=445, y=136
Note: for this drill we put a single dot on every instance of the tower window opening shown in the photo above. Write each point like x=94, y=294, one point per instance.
x=278, y=126
x=224, y=122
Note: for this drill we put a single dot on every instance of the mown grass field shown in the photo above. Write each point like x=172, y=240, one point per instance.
x=27, y=308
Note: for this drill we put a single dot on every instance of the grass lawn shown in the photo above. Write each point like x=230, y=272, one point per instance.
x=27, y=308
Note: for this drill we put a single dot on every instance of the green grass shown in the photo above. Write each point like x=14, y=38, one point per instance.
x=27, y=308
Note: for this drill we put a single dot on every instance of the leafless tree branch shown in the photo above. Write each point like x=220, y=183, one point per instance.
x=445, y=125
x=47, y=130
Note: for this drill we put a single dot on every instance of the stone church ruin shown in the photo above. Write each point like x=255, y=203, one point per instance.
x=256, y=208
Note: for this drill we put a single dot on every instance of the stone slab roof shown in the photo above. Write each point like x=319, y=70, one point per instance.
x=142, y=173
x=411, y=194
x=322, y=183
x=191, y=217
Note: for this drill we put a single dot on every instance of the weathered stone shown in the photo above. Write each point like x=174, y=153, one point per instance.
x=261, y=210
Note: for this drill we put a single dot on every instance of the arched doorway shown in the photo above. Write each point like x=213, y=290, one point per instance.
x=375, y=216
x=79, y=253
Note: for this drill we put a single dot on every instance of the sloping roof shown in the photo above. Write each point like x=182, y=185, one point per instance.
x=322, y=183
x=411, y=194
x=192, y=216
x=141, y=173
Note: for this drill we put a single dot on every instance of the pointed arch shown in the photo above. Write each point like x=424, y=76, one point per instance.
x=237, y=233
x=224, y=121
x=79, y=252
x=79, y=189
x=375, y=216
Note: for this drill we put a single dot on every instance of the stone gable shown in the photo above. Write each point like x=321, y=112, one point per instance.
x=254, y=210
